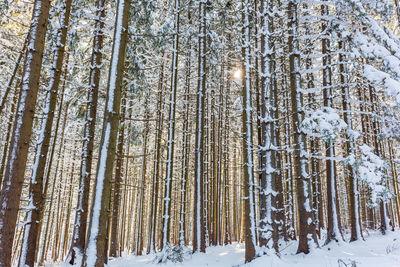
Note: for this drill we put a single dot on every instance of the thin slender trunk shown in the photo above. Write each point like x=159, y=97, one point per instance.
x=185, y=144
x=268, y=221
x=198, y=219
x=48, y=173
x=82, y=210
x=8, y=135
x=332, y=208
x=248, y=179
x=13, y=75
x=114, y=240
x=171, y=133
x=350, y=147
x=151, y=242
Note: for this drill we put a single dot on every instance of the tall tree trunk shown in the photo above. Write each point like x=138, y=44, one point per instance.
x=378, y=151
x=48, y=173
x=36, y=188
x=115, y=226
x=96, y=251
x=151, y=242
x=139, y=237
x=82, y=210
x=350, y=146
x=185, y=143
x=268, y=221
x=171, y=133
x=248, y=179
x=15, y=169
x=303, y=185
x=332, y=208
x=198, y=219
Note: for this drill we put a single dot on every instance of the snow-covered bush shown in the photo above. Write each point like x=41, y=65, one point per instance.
x=371, y=169
x=172, y=253
x=324, y=123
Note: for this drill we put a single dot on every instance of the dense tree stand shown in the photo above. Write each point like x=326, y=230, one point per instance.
x=172, y=128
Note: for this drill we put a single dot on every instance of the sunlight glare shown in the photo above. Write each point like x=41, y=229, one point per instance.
x=237, y=74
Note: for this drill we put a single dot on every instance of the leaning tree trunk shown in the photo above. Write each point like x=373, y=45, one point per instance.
x=36, y=188
x=15, y=169
x=60, y=114
x=96, y=251
x=13, y=75
x=82, y=211
x=8, y=135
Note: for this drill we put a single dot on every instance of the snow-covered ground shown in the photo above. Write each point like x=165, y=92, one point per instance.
x=376, y=251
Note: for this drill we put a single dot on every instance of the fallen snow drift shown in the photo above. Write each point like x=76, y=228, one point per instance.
x=376, y=251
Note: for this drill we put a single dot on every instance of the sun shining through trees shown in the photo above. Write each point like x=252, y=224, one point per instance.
x=173, y=128
x=237, y=74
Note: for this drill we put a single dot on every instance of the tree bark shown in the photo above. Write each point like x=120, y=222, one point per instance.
x=332, y=208
x=115, y=226
x=82, y=211
x=303, y=188
x=198, y=219
x=15, y=169
x=248, y=176
x=171, y=133
x=36, y=188
x=151, y=242
x=96, y=251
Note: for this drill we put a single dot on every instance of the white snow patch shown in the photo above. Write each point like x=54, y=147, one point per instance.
x=377, y=250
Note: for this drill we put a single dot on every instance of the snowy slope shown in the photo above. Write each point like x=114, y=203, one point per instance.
x=376, y=251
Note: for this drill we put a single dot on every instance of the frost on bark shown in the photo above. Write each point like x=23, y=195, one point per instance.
x=151, y=241
x=349, y=146
x=248, y=175
x=15, y=169
x=171, y=133
x=302, y=178
x=199, y=244
x=332, y=207
x=118, y=182
x=82, y=210
x=185, y=143
x=270, y=178
x=37, y=184
x=96, y=250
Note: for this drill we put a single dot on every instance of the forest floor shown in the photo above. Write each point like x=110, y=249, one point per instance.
x=375, y=251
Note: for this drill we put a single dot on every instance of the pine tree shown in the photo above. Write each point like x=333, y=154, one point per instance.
x=82, y=211
x=15, y=169
x=303, y=185
x=198, y=219
x=96, y=252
